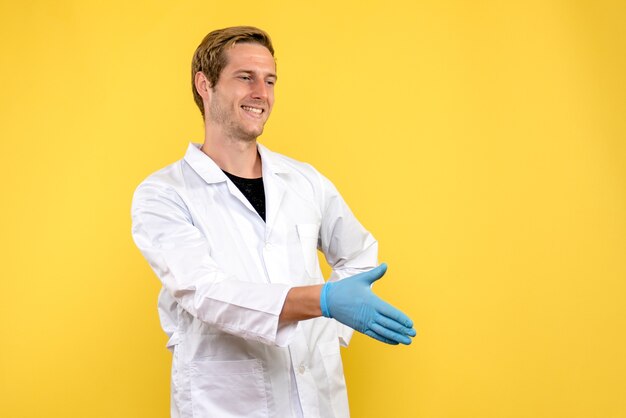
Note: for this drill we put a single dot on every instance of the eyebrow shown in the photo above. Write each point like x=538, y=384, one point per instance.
x=272, y=75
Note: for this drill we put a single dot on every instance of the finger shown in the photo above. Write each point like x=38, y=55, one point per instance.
x=394, y=325
x=374, y=274
x=378, y=337
x=397, y=315
x=390, y=334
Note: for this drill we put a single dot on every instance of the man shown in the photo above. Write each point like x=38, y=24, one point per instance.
x=232, y=231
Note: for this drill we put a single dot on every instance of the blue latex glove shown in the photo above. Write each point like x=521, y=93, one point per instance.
x=352, y=302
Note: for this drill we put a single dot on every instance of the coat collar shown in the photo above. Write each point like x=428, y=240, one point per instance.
x=211, y=173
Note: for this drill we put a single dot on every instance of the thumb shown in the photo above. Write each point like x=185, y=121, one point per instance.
x=374, y=274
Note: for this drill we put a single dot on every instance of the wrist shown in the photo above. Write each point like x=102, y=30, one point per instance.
x=301, y=303
x=323, y=300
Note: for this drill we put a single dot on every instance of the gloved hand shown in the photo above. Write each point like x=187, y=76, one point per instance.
x=352, y=302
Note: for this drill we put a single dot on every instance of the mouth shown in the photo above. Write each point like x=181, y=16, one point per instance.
x=255, y=111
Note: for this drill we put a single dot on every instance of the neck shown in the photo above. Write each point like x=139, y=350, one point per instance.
x=235, y=156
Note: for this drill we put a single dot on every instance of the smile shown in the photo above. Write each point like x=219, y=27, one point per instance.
x=254, y=110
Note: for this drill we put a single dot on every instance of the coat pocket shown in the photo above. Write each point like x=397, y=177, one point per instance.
x=228, y=389
x=309, y=235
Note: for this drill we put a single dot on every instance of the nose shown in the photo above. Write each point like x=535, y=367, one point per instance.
x=260, y=90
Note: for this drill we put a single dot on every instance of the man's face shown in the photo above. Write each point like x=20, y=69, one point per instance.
x=241, y=101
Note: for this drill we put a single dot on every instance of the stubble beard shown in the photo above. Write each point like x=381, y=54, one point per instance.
x=233, y=130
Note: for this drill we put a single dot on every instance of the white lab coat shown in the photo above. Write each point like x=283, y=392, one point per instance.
x=225, y=276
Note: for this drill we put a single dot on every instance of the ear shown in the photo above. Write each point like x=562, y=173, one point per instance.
x=203, y=86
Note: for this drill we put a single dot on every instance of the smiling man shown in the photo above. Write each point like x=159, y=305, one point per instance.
x=232, y=231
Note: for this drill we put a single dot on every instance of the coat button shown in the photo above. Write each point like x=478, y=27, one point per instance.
x=301, y=368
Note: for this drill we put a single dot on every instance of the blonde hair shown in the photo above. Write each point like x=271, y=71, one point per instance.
x=210, y=56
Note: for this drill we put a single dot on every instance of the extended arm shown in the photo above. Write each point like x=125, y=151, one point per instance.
x=351, y=302
x=267, y=312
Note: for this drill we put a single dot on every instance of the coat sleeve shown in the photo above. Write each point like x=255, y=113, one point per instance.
x=348, y=247
x=179, y=254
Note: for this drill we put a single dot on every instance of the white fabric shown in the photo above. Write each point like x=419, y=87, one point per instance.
x=225, y=276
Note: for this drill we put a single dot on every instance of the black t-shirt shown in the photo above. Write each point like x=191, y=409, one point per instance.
x=253, y=190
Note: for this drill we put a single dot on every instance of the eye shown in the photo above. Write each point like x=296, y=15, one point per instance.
x=245, y=77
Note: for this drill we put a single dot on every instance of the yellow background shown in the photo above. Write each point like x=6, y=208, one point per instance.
x=483, y=143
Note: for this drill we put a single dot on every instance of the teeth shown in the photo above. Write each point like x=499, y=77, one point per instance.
x=252, y=109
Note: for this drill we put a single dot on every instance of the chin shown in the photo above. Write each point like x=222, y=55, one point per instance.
x=250, y=136
x=253, y=133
